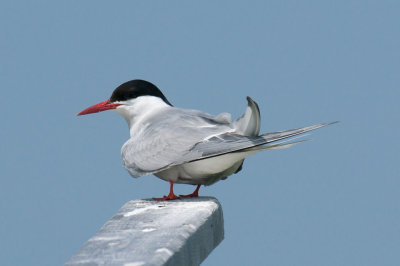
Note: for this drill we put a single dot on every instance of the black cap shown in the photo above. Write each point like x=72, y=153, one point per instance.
x=136, y=88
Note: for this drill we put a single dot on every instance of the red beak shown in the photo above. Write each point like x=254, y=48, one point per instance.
x=100, y=107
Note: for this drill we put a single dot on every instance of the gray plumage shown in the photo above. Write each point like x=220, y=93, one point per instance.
x=170, y=141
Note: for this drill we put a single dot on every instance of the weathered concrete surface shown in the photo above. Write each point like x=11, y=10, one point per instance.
x=148, y=232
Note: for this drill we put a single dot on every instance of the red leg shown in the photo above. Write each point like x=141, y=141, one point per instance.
x=171, y=195
x=193, y=195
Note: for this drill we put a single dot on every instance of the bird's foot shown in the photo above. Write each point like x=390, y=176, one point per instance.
x=169, y=197
x=195, y=194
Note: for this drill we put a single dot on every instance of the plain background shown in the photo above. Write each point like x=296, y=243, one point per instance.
x=331, y=201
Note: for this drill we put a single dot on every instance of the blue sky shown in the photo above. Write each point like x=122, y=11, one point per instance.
x=331, y=201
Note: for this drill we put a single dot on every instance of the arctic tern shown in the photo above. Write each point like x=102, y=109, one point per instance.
x=187, y=146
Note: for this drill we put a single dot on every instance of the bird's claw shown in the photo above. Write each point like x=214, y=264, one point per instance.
x=169, y=197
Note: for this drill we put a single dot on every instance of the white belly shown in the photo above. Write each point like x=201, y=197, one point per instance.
x=206, y=171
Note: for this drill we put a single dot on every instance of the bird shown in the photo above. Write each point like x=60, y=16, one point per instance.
x=187, y=146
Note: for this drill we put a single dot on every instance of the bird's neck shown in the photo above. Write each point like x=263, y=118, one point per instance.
x=138, y=113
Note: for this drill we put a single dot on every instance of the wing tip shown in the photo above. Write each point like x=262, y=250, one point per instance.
x=316, y=126
x=331, y=123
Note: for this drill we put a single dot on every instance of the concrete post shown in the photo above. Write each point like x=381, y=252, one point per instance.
x=148, y=232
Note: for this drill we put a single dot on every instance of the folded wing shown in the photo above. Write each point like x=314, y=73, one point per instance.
x=230, y=142
x=194, y=136
x=169, y=138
